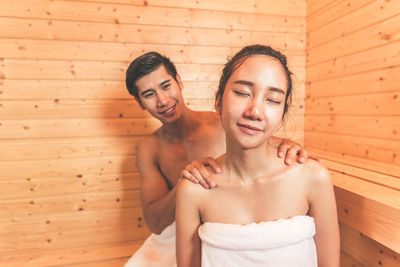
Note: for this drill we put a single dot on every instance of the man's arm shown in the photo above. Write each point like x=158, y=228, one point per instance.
x=158, y=202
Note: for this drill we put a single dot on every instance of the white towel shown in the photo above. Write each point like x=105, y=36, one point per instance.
x=280, y=243
x=156, y=251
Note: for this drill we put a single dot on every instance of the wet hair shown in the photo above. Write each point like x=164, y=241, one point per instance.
x=143, y=65
x=237, y=60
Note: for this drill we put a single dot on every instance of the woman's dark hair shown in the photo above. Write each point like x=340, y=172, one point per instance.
x=144, y=65
x=238, y=60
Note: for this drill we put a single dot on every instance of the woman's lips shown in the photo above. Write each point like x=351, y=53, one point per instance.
x=249, y=129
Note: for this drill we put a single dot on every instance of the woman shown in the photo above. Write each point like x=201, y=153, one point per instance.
x=261, y=213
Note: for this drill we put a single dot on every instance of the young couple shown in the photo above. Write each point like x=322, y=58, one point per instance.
x=260, y=211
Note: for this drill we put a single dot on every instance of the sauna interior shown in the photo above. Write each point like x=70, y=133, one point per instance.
x=69, y=187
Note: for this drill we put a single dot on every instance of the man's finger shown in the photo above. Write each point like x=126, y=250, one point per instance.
x=302, y=155
x=186, y=175
x=207, y=176
x=213, y=164
x=291, y=155
x=195, y=172
x=282, y=150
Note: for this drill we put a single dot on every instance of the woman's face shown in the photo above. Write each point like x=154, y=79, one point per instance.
x=253, y=101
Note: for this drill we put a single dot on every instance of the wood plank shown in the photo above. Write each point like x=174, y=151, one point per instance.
x=369, y=208
x=94, y=70
x=383, y=104
x=386, y=127
x=16, y=129
x=64, y=222
x=372, y=149
x=375, y=81
x=68, y=109
x=84, y=108
x=289, y=8
x=59, y=128
x=115, y=51
x=150, y=15
x=363, y=61
x=55, y=186
x=71, y=256
x=356, y=161
x=347, y=260
x=95, y=109
x=78, y=89
x=67, y=167
x=34, y=243
x=386, y=180
x=344, y=17
x=130, y=33
x=366, y=250
x=61, y=148
x=103, y=263
x=70, y=203
x=349, y=42
x=314, y=6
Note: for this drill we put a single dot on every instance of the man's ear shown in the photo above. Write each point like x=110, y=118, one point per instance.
x=179, y=81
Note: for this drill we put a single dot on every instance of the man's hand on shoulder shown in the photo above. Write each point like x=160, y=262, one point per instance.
x=202, y=172
x=291, y=150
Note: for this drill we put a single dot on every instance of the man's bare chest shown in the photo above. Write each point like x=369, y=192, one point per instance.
x=172, y=158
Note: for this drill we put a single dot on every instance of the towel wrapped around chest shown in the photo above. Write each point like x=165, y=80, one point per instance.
x=280, y=243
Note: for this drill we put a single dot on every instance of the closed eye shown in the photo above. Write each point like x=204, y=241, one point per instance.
x=241, y=93
x=274, y=101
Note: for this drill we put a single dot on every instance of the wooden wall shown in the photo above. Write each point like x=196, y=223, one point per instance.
x=68, y=128
x=352, y=120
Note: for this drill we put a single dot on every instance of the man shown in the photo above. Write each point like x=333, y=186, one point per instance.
x=185, y=135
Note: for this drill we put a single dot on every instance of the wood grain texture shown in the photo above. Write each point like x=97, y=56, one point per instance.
x=69, y=187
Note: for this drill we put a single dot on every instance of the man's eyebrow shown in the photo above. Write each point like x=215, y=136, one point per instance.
x=164, y=82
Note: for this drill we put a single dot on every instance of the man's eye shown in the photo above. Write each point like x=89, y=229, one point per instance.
x=166, y=86
x=148, y=95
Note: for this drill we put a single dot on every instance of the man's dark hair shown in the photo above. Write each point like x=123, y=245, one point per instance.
x=240, y=57
x=144, y=65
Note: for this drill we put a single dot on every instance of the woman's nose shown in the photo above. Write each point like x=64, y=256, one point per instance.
x=253, y=111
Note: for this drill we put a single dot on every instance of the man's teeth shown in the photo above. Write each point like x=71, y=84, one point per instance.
x=169, y=110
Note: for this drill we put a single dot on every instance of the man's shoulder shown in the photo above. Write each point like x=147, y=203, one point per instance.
x=148, y=145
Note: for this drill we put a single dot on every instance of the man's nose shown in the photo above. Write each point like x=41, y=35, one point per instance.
x=162, y=99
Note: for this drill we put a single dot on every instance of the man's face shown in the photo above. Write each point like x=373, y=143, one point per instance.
x=161, y=95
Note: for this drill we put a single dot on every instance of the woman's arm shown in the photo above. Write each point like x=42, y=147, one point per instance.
x=323, y=209
x=188, y=244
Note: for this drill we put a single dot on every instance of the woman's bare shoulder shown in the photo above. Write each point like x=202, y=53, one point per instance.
x=316, y=173
x=189, y=189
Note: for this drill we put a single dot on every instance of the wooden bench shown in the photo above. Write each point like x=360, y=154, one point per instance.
x=368, y=202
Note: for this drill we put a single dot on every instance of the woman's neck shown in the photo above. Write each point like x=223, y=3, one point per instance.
x=247, y=164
